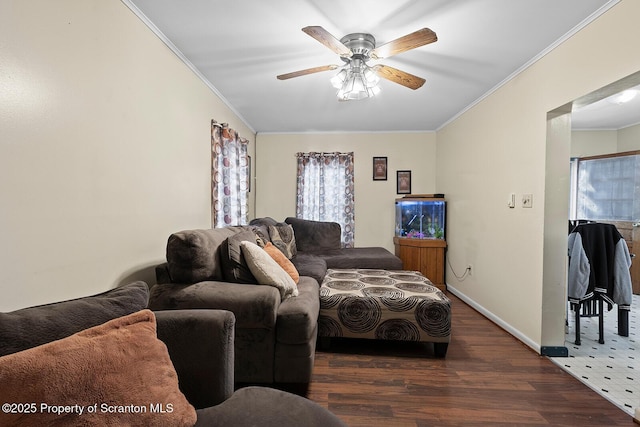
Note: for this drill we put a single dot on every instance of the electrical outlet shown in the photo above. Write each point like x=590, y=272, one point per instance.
x=527, y=200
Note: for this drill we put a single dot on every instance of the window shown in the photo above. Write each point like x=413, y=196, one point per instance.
x=606, y=188
x=325, y=190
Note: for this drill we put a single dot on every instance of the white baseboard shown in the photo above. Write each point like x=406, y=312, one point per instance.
x=495, y=319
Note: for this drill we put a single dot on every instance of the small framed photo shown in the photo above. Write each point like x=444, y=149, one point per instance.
x=379, y=168
x=403, y=182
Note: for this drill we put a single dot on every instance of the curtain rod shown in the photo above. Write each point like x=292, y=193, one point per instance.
x=331, y=153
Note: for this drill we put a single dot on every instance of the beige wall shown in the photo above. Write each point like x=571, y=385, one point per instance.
x=499, y=147
x=593, y=143
x=629, y=138
x=596, y=142
x=374, y=200
x=105, y=149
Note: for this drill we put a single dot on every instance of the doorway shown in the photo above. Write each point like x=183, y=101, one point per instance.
x=556, y=214
x=557, y=183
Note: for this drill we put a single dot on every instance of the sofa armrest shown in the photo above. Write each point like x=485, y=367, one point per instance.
x=200, y=344
x=254, y=306
x=298, y=317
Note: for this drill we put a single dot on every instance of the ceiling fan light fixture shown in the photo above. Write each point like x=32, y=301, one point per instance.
x=357, y=81
x=371, y=77
x=338, y=80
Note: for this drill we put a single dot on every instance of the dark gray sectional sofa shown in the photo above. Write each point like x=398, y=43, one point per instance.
x=275, y=339
x=200, y=344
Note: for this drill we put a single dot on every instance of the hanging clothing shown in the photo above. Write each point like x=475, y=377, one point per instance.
x=599, y=262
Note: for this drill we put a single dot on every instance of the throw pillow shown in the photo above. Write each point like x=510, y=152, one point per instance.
x=33, y=326
x=267, y=271
x=117, y=373
x=262, y=234
x=282, y=237
x=282, y=261
x=234, y=266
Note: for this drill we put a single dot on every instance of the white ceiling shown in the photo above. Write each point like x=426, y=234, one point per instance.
x=240, y=47
x=610, y=113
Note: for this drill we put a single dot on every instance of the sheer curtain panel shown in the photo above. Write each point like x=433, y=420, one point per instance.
x=229, y=177
x=325, y=190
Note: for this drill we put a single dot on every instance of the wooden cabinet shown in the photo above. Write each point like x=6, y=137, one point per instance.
x=424, y=255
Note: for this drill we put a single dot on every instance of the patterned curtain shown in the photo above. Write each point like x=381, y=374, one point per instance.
x=325, y=190
x=229, y=177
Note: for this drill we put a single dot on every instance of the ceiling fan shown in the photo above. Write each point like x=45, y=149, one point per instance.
x=356, y=79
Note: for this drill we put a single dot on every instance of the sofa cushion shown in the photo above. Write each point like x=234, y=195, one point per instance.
x=310, y=265
x=267, y=271
x=282, y=261
x=120, y=366
x=194, y=255
x=315, y=235
x=369, y=257
x=234, y=266
x=33, y=326
x=283, y=238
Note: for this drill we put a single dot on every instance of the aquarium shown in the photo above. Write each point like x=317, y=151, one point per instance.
x=420, y=218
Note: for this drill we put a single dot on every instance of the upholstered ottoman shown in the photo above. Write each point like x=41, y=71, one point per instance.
x=385, y=305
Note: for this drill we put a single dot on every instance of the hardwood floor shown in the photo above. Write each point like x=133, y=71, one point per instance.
x=487, y=378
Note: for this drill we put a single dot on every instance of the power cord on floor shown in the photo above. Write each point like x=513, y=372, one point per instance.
x=466, y=273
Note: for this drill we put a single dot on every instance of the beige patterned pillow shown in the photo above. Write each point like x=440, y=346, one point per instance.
x=267, y=271
x=282, y=237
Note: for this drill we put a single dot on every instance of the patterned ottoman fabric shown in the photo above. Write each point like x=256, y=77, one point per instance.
x=383, y=304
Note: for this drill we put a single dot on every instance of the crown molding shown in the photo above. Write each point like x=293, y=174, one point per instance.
x=184, y=59
x=533, y=60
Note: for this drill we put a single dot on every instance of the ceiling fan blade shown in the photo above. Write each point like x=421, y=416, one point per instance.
x=403, y=44
x=401, y=77
x=307, y=71
x=324, y=37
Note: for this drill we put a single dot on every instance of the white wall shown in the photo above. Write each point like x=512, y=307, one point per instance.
x=105, y=149
x=374, y=200
x=498, y=147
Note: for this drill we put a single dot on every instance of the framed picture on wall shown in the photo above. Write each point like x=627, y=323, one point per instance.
x=379, y=168
x=403, y=182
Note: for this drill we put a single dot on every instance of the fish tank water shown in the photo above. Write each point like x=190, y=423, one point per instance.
x=420, y=218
